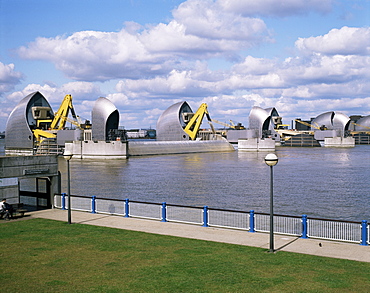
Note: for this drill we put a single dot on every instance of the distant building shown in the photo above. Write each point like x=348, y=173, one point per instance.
x=141, y=133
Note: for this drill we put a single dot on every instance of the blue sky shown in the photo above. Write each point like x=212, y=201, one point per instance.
x=304, y=57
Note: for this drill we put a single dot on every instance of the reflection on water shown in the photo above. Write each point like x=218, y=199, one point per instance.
x=320, y=182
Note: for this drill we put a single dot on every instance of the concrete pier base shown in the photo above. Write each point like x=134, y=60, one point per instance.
x=342, y=142
x=178, y=147
x=122, y=150
x=98, y=149
x=256, y=145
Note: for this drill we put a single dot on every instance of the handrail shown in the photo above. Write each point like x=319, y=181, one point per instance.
x=214, y=209
x=305, y=227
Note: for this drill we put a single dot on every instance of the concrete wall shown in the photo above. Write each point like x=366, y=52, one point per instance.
x=121, y=150
x=178, y=147
x=322, y=134
x=98, y=149
x=68, y=135
x=256, y=144
x=14, y=169
x=339, y=142
x=9, y=189
x=234, y=135
x=28, y=166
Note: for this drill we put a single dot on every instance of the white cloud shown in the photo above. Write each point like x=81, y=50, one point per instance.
x=53, y=93
x=207, y=19
x=276, y=7
x=306, y=78
x=81, y=90
x=306, y=109
x=249, y=81
x=174, y=84
x=91, y=55
x=156, y=66
x=344, y=41
x=300, y=86
x=47, y=90
x=9, y=78
x=232, y=105
x=325, y=69
x=255, y=66
x=119, y=99
x=200, y=29
x=252, y=73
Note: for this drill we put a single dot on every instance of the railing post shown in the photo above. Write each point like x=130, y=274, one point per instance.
x=205, y=216
x=127, y=211
x=251, y=221
x=93, y=204
x=164, y=212
x=304, y=227
x=364, y=232
x=63, y=201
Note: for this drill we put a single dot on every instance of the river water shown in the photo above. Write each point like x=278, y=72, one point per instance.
x=330, y=183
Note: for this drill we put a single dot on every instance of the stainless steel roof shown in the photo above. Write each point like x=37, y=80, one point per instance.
x=104, y=116
x=18, y=133
x=170, y=125
x=259, y=119
x=341, y=122
x=332, y=121
x=363, y=123
x=324, y=120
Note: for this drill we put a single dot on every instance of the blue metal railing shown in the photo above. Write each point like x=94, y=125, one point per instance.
x=304, y=227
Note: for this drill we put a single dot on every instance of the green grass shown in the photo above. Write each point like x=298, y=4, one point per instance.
x=49, y=256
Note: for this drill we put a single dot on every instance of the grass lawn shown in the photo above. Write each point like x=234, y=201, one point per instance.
x=41, y=255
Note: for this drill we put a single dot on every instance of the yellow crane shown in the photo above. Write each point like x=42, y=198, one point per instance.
x=193, y=126
x=42, y=134
x=238, y=126
x=282, y=126
x=367, y=127
x=61, y=116
x=309, y=125
x=46, y=127
x=223, y=123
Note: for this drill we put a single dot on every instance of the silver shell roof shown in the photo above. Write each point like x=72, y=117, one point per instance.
x=260, y=119
x=363, y=123
x=272, y=111
x=332, y=121
x=170, y=125
x=18, y=132
x=341, y=122
x=104, y=116
x=324, y=120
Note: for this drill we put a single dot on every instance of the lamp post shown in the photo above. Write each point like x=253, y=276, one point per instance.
x=271, y=160
x=68, y=155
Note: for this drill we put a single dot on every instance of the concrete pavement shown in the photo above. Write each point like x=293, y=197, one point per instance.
x=318, y=247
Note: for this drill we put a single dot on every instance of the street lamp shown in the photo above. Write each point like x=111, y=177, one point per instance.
x=68, y=155
x=271, y=160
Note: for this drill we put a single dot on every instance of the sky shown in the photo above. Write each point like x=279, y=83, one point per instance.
x=303, y=57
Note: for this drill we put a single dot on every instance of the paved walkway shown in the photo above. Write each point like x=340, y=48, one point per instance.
x=318, y=247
